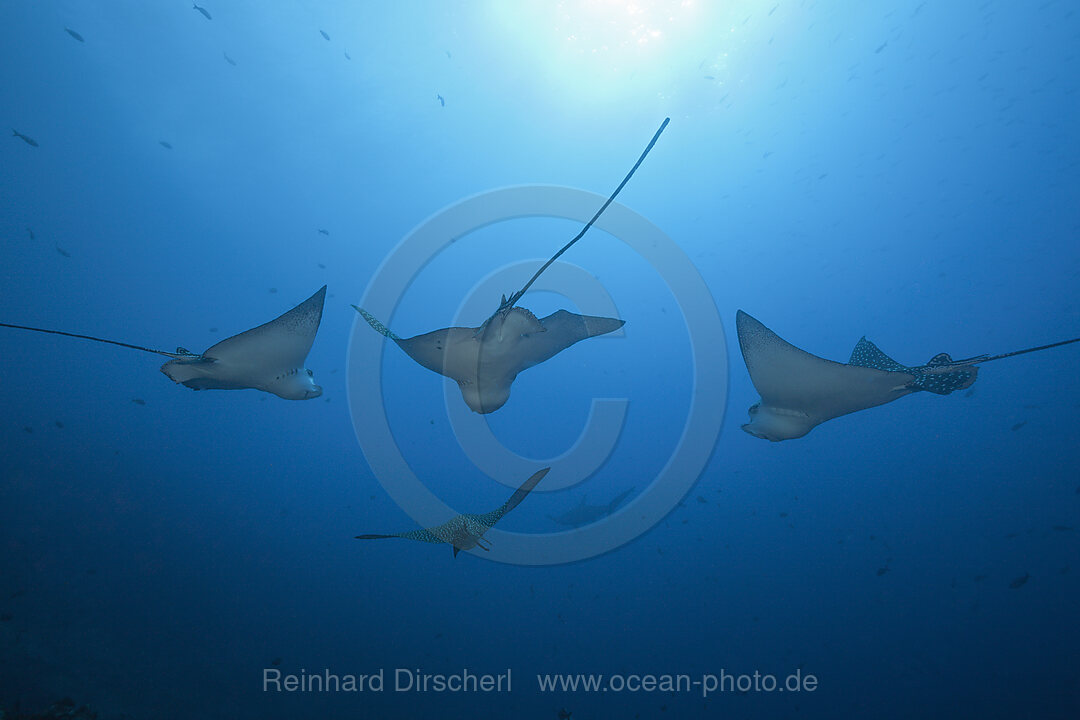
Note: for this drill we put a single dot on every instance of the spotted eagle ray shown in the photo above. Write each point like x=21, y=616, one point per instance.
x=466, y=531
x=799, y=391
x=485, y=360
x=269, y=357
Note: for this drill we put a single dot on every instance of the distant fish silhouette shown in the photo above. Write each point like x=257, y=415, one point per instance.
x=323, y=232
x=74, y=34
x=204, y=11
x=62, y=251
x=323, y=33
x=564, y=714
x=466, y=531
x=229, y=59
x=881, y=47
x=164, y=144
x=347, y=55
x=25, y=138
x=799, y=391
x=31, y=231
x=1020, y=581
x=442, y=101
x=138, y=401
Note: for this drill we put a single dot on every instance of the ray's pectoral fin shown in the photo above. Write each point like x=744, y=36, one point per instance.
x=561, y=330
x=269, y=357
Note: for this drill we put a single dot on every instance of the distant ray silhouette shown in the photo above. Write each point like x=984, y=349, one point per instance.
x=585, y=514
x=799, y=391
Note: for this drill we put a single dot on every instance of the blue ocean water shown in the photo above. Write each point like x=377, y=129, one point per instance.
x=906, y=171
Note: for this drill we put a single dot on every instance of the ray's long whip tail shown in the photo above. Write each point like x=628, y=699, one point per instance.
x=513, y=299
x=178, y=355
x=979, y=359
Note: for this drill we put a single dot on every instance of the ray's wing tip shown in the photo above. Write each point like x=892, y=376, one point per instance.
x=317, y=298
x=744, y=321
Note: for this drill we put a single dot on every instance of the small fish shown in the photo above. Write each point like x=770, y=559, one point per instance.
x=773, y=10
x=710, y=77
x=166, y=145
x=881, y=571
x=448, y=56
x=138, y=401
x=6, y=617
x=62, y=251
x=273, y=290
x=321, y=266
x=25, y=138
x=1019, y=582
x=765, y=156
x=229, y=59
x=74, y=34
x=442, y=101
x=980, y=578
x=325, y=36
x=970, y=393
x=275, y=662
x=564, y=714
x=31, y=231
x=881, y=47
x=347, y=55
x=59, y=424
x=28, y=430
x=1064, y=528
x=323, y=232
x=1018, y=425
x=204, y=11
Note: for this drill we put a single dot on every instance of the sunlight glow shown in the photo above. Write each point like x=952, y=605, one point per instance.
x=601, y=44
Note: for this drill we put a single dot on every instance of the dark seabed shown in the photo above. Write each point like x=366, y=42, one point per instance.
x=906, y=171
